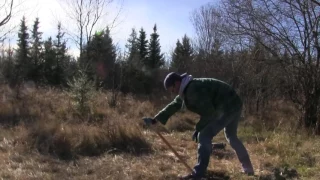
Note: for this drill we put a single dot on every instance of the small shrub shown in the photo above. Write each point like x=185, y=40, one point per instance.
x=81, y=92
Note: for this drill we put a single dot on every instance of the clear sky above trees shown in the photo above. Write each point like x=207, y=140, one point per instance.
x=171, y=17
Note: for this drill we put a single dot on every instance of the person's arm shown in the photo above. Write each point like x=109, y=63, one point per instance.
x=169, y=110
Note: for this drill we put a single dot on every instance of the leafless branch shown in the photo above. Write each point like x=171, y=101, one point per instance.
x=86, y=15
x=7, y=7
x=316, y=2
x=207, y=23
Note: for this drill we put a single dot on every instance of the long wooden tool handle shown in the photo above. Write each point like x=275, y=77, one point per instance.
x=178, y=156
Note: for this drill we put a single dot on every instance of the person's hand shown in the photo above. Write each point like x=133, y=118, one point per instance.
x=149, y=121
x=195, y=136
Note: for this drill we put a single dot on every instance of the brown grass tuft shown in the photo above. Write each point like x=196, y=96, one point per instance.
x=67, y=141
x=181, y=122
x=56, y=128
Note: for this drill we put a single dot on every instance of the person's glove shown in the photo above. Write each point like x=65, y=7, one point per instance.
x=195, y=136
x=149, y=121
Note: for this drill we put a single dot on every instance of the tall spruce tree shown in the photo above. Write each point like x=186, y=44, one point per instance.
x=155, y=58
x=35, y=52
x=49, y=56
x=132, y=48
x=134, y=79
x=142, y=44
x=102, y=56
x=23, y=64
x=7, y=64
x=182, y=55
x=61, y=57
x=177, y=62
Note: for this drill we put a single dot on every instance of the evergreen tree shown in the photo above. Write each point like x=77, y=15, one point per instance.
x=61, y=57
x=7, y=64
x=49, y=55
x=142, y=44
x=155, y=58
x=187, y=48
x=132, y=46
x=200, y=68
x=176, y=57
x=35, y=52
x=183, y=55
x=102, y=57
x=23, y=56
x=108, y=54
x=133, y=77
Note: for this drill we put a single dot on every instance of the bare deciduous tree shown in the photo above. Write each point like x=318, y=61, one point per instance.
x=316, y=2
x=285, y=26
x=7, y=7
x=5, y=15
x=86, y=15
x=207, y=23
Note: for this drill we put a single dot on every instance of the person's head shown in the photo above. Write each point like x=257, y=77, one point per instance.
x=172, y=82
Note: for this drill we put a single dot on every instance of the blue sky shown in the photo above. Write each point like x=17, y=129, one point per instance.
x=171, y=16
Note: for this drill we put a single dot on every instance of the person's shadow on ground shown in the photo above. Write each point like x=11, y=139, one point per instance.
x=215, y=175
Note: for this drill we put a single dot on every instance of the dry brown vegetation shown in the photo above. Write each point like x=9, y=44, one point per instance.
x=43, y=137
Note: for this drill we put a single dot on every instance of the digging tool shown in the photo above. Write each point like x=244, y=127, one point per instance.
x=174, y=151
x=148, y=122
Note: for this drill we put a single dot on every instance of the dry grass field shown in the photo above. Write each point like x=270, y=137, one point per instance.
x=44, y=137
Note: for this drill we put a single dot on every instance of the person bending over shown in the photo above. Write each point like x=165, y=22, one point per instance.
x=219, y=108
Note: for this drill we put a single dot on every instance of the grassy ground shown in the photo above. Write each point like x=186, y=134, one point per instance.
x=43, y=136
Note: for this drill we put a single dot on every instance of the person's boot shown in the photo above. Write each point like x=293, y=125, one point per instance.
x=247, y=167
x=248, y=173
x=190, y=177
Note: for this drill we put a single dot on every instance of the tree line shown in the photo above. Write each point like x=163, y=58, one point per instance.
x=266, y=50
